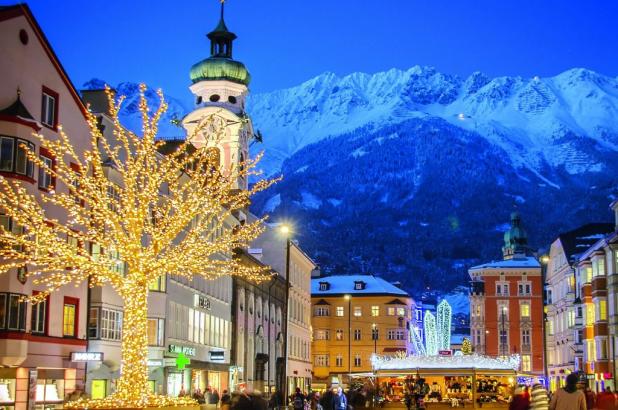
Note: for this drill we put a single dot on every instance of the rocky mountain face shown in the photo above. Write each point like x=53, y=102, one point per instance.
x=413, y=174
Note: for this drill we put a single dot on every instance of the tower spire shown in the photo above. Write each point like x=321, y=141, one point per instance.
x=222, y=8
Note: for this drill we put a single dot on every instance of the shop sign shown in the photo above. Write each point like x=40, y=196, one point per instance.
x=188, y=350
x=445, y=352
x=201, y=302
x=154, y=362
x=86, y=356
x=217, y=355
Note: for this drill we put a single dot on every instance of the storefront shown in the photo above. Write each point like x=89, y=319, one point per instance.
x=185, y=373
x=443, y=382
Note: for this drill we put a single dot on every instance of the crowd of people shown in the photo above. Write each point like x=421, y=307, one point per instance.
x=572, y=396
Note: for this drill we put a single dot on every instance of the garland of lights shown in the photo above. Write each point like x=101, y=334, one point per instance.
x=169, y=218
x=431, y=334
x=417, y=341
x=444, y=325
x=472, y=361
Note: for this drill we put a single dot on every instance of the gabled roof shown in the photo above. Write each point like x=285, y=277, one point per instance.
x=344, y=284
x=578, y=240
x=9, y=12
x=395, y=302
x=322, y=302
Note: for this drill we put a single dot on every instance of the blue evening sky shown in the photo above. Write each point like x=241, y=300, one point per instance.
x=285, y=42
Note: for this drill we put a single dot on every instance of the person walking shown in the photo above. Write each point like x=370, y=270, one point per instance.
x=340, y=401
x=328, y=399
x=226, y=400
x=538, y=398
x=298, y=400
x=569, y=397
x=520, y=401
x=606, y=400
x=591, y=398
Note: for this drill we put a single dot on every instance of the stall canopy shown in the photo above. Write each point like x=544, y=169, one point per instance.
x=443, y=364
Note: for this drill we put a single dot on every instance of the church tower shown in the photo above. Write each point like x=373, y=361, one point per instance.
x=515, y=239
x=219, y=84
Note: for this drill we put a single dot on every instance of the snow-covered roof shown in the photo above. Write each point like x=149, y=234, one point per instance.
x=472, y=361
x=344, y=284
x=525, y=262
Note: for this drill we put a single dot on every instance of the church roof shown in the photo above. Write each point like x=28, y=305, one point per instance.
x=515, y=263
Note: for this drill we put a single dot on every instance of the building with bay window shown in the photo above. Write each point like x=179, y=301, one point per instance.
x=41, y=345
x=564, y=311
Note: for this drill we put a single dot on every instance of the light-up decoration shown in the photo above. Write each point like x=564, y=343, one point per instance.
x=164, y=214
x=417, y=341
x=472, y=361
x=444, y=325
x=431, y=334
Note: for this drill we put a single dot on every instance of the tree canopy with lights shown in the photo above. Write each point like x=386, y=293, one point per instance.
x=162, y=214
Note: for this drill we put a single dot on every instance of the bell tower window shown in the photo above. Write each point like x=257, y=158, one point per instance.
x=215, y=97
x=231, y=99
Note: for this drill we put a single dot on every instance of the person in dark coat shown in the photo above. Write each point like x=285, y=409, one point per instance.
x=520, y=400
x=276, y=400
x=258, y=402
x=243, y=402
x=327, y=401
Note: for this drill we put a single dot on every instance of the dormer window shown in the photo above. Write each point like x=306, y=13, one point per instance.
x=324, y=285
x=231, y=99
x=215, y=98
x=359, y=285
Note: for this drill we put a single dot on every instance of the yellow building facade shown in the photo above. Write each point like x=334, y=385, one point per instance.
x=353, y=317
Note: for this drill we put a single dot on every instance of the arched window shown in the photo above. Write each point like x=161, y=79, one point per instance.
x=213, y=155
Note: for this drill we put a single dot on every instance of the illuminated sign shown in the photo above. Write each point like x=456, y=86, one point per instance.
x=201, y=302
x=217, y=355
x=187, y=350
x=86, y=356
x=445, y=352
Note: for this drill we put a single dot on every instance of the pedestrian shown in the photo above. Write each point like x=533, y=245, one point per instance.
x=243, y=402
x=569, y=397
x=226, y=400
x=408, y=400
x=258, y=402
x=519, y=401
x=591, y=399
x=214, y=397
x=276, y=400
x=538, y=398
x=606, y=400
x=298, y=400
x=328, y=399
x=340, y=401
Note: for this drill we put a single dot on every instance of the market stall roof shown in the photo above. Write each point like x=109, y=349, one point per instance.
x=444, y=364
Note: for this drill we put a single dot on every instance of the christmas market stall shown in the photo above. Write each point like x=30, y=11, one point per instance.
x=446, y=381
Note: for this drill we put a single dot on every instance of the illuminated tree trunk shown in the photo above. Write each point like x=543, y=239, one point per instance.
x=133, y=382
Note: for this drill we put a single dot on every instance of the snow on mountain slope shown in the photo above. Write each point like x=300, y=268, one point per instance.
x=129, y=112
x=537, y=121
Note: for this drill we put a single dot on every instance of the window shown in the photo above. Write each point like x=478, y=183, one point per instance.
x=401, y=312
x=357, y=311
x=601, y=350
x=525, y=363
x=524, y=288
x=504, y=338
x=158, y=285
x=525, y=337
x=498, y=289
x=321, y=311
x=49, y=108
x=46, y=181
x=2, y=310
x=113, y=193
x=10, y=226
x=375, y=335
x=357, y=334
x=215, y=98
x=339, y=361
x=111, y=324
x=38, y=320
x=13, y=156
x=321, y=360
x=375, y=311
x=324, y=286
x=395, y=334
x=390, y=311
x=589, y=274
x=478, y=337
x=69, y=317
x=93, y=323
x=590, y=350
x=602, y=309
x=524, y=310
x=231, y=99
x=17, y=313
x=589, y=314
x=339, y=334
x=156, y=328
x=357, y=361
x=322, y=334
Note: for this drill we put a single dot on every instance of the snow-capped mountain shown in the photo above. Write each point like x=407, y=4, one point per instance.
x=129, y=112
x=530, y=118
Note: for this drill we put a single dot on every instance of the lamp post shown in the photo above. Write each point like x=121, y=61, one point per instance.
x=285, y=230
x=374, y=329
x=349, y=299
x=544, y=262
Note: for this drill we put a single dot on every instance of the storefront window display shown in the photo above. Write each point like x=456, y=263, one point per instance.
x=7, y=393
x=49, y=393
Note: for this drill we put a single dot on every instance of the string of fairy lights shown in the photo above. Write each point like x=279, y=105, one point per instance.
x=169, y=214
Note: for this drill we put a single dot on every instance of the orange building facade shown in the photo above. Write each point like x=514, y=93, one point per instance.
x=506, y=304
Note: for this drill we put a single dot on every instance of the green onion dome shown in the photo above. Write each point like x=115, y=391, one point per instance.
x=219, y=68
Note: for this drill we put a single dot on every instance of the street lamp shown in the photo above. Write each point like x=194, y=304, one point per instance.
x=349, y=299
x=286, y=231
x=374, y=329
